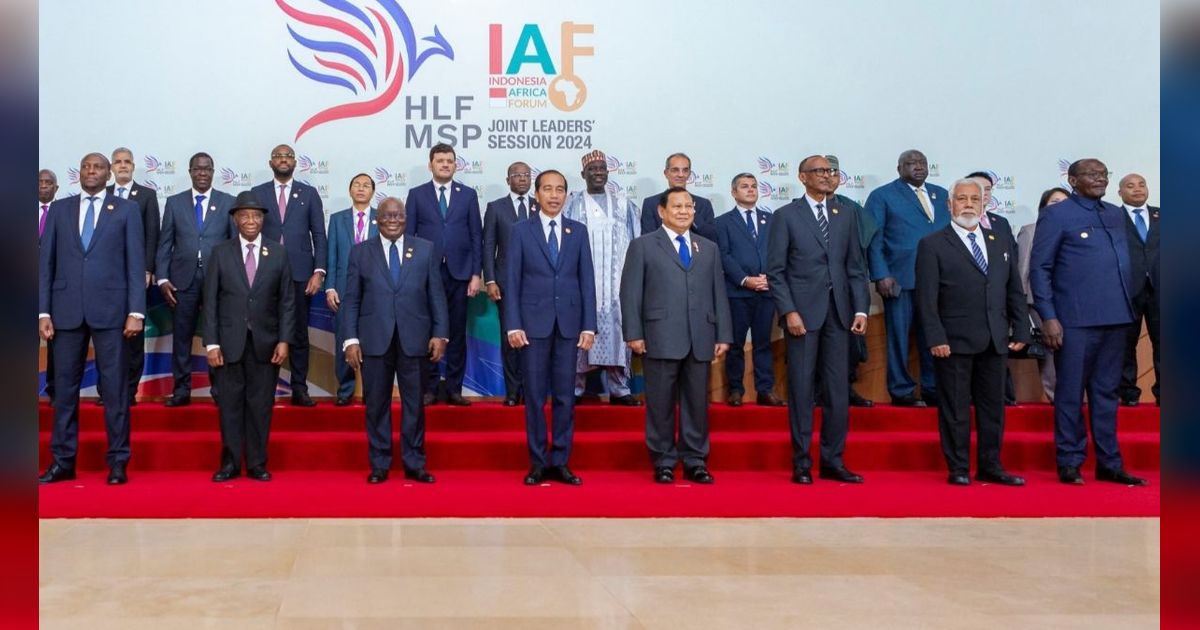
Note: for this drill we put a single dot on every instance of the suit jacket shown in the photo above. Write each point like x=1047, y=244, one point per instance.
x=1024, y=245
x=498, y=219
x=147, y=203
x=341, y=241
x=902, y=224
x=540, y=294
x=1079, y=264
x=703, y=225
x=98, y=286
x=675, y=310
x=303, y=230
x=741, y=254
x=804, y=271
x=374, y=309
x=181, y=240
x=231, y=305
x=458, y=238
x=1143, y=257
x=959, y=305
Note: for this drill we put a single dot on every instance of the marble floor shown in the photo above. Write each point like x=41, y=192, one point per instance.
x=530, y=574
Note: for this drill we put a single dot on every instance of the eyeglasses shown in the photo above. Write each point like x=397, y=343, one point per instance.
x=824, y=172
x=521, y=175
x=276, y=156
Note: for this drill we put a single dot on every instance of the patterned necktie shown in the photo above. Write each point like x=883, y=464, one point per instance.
x=359, y=232
x=924, y=199
x=42, y=219
x=394, y=263
x=552, y=242
x=282, y=201
x=442, y=205
x=251, y=263
x=822, y=222
x=750, y=224
x=522, y=211
x=1138, y=222
x=199, y=211
x=685, y=254
x=977, y=254
x=89, y=222
x=121, y=193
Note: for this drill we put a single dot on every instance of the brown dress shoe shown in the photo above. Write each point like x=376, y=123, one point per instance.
x=770, y=400
x=735, y=399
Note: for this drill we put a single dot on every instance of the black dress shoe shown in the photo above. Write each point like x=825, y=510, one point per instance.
x=419, y=475
x=908, y=401
x=457, y=400
x=564, y=474
x=930, y=400
x=664, y=475
x=56, y=473
x=428, y=399
x=1070, y=474
x=1119, y=476
x=802, y=476
x=301, y=399
x=378, y=475
x=699, y=474
x=511, y=401
x=258, y=474
x=628, y=400
x=178, y=401
x=842, y=474
x=734, y=399
x=225, y=474
x=534, y=476
x=769, y=400
x=587, y=399
x=116, y=475
x=958, y=479
x=858, y=401
x=999, y=477
x=342, y=401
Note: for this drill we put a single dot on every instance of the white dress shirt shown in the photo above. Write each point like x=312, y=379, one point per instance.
x=449, y=189
x=672, y=234
x=128, y=186
x=1133, y=218
x=979, y=236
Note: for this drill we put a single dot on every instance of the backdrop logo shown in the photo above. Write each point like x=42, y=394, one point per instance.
x=163, y=191
x=767, y=191
x=768, y=167
x=1000, y=182
x=73, y=175
x=154, y=165
x=934, y=170
x=366, y=47
x=305, y=164
x=384, y=177
x=526, y=77
x=700, y=180
x=850, y=181
x=322, y=189
x=463, y=165
x=1063, y=166
x=230, y=177
x=613, y=188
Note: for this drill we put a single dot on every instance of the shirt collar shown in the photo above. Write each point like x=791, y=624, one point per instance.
x=546, y=219
x=288, y=183
x=207, y=194
x=672, y=234
x=257, y=242
x=387, y=243
x=915, y=188
x=812, y=203
x=514, y=196
x=963, y=232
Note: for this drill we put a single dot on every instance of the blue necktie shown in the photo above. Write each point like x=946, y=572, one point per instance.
x=199, y=211
x=685, y=254
x=750, y=224
x=121, y=193
x=89, y=222
x=394, y=264
x=442, y=205
x=552, y=242
x=977, y=254
x=1140, y=224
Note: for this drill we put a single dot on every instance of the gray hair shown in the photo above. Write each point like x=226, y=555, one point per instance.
x=734, y=181
x=122, y=150
x=966, y=181
x=50, y=173
x=681, y=154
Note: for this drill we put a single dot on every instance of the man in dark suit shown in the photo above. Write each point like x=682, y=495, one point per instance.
x=968, y=298
x=47, y=189
x=446, y=212
x=996, y=223
x=906, y=210
x=742, y=237
x=1079, y=274
x=295, y=218
x=194, y=220
x=675, y=314
x=347, y=228
x=394, y=323
x=551, y=315
x=249, y=318
x=91, y=286
x=146, y=199
x=819, y=283
x=677, y=172
x=498, y=219
x=1141, y=231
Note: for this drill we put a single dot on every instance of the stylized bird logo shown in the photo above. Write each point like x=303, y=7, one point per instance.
x=382, y=175
x=151, y=184
x=612, y=188
x=460, y=163
x=1063, y=166
x=228, y=176
x=73, y=175
x=152, y=164
x=304, y=164
x=379, y=197
x=612, y=163
x=356, y=49
x=765, y=165
x=765, y=189
x=843, y=178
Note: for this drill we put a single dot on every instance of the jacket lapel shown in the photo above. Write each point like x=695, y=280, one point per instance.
x=668, y=246
x=806, y=215
x=104, y=212
x=958, y=244
x=376, y=249
x=996, y=254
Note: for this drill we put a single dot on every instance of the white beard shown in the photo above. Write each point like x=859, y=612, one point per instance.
x=965, y=222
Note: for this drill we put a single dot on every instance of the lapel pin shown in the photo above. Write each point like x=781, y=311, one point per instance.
x=567, y=230
x=696, y=247
x=133, y=193
x=762, y=221
x=933, y=196
x=211, y=208
x=408, y=254
x=991, y=237
x=1083, y=235
x=457, y=189
x=265, y=252
x=295, y=195
x=1005, y=256
x=110, y=206
x=833, y=210
x=1155, y=215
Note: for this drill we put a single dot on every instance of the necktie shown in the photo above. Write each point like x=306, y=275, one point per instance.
x=522, y=211
x=685, y=254
x=199, y=211
x=552, y=242
x=822, y=222
x=121, y=192
x=359, y=231
x=442, y=205
x=750, y=224
x=251, y=263
x=42, y=219
x=924, y=199
x=394, y=263
x=1138, y=222
x=977, y=254
x=985, y=221
x=282, y=201
x=89, y=222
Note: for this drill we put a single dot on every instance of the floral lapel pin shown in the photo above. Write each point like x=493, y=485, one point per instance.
x=133, y=193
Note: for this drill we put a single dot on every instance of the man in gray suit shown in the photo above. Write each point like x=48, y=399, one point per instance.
x=674, y=313
x=817, y=276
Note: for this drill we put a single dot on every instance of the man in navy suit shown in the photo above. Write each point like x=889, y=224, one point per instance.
x=678, y=170
x=347, y=228
x=296, y=218
x=394, y=323
x=91, y=285
x=446, y=213
x=906, y=210
x=1079, y=275
x=193, y=222
x=47, y=189
x=498, y=219
x=551, y=314
x=742, y=236
x=1141, y=231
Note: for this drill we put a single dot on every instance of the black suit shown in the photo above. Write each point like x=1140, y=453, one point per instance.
x=1143, y=265
x=1001, y=226
x=247, y=322
x=498, y=219
x=704, y=225
x=825, y=282
x=972, y=312
x=147, y=202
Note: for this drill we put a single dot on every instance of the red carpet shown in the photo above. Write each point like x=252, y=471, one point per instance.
x=318, y=456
